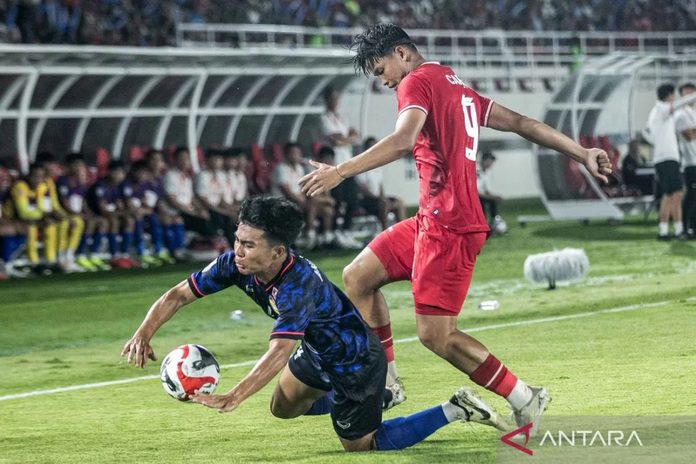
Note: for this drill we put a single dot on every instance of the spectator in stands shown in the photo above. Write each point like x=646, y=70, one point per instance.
x=630, y=164
x=340, y=137
x=209, y=186
x=178, y=187
x=372, y=197
x=28, y=194
x=236, y=187
x=72, y=191
x=661, y=133
x=685, y=124
x=172, y=223
x=285, y=182
x=12, y=231
x=489, y=201
x=105, y=198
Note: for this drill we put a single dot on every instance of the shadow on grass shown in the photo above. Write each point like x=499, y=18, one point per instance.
x=679, y=248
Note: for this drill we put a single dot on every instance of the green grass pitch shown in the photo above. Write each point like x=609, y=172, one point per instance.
x=69, y=330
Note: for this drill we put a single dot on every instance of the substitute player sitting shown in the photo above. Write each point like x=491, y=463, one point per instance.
x=439, y=121
x=338, y=353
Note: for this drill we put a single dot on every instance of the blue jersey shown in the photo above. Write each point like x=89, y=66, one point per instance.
x=305, y=305
x=141, y=193
x=71, y=193
x=103, y=191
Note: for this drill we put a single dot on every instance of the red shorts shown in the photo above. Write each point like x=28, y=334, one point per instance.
x=439, y=263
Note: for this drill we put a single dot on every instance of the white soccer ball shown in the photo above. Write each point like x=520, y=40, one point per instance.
x=189, y=368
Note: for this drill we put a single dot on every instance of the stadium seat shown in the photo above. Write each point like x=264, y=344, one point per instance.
x=102, y=161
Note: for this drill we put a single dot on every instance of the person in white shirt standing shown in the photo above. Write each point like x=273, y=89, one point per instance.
x=685, y=124
x=341, y=138
x=662, y=134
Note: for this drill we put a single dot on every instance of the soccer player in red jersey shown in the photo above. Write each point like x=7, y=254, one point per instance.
x=439, y=121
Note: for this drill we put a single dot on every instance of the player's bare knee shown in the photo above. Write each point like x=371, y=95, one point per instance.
x=357, y=281
x=432, y=339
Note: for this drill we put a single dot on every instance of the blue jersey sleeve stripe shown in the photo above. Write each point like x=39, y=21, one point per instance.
x=291, y=335
x=194, y=287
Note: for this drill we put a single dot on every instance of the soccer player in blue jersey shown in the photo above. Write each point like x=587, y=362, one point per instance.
x=339, y=367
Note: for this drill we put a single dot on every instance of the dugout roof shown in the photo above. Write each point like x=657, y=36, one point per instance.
x=605, y=103
x=67, y=98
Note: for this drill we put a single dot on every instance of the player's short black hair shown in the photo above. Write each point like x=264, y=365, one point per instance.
x=73, y=158
x=686, y=86
x=328, y=91
x=45, y=157
x=326, y=151
x=289, y=146
x=235, y=152
x=281, y=220
x=664, y=91
x=369, y=141
x=140, y=165
x=33, y=167
x=375, y=42
x=212, y=152
x=179, y=150
x=152, y=152
x=116, y=164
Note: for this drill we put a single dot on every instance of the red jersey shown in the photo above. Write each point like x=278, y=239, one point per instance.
x=446, y=147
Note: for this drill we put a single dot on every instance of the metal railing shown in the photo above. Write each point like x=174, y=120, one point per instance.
x=521, y=48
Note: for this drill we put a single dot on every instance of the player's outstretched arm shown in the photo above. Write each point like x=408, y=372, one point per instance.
x=138, y=348
x=595, y=160
x=269, y=366
x=390, y=148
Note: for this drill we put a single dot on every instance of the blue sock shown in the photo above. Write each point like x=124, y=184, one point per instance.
x=402, y=432
x=179, y=236
x=139, y=239
x=113, y=244
x=96, y=242
x=8, y=243
x=322, y=406
x=126, y=243
x=169, y=238
x=155, y=232
x=82, y=246
x=18, y=242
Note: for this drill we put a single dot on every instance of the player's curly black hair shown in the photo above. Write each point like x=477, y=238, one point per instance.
x=280, y=219
x=377, y=41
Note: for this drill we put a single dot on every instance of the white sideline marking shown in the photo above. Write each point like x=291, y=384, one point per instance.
x=401, y=340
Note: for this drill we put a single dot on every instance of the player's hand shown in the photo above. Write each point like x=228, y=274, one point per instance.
x=322, y=179
x=138, y=350
x=223, y=403
x=598, y=163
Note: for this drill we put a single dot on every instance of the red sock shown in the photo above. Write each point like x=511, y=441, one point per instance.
x=385, y=336
x=494, y=376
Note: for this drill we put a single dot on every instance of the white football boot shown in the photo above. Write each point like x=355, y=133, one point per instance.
x=532, y=411
x=473, y=409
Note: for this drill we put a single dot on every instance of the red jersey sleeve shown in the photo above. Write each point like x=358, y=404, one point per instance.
x=485, y=104
x=414, y=92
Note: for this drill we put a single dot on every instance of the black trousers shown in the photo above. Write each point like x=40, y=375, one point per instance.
x=490, y=209
x=689, y=204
